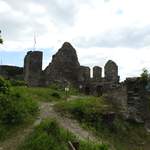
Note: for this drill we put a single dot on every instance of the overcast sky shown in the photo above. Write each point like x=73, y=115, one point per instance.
x=98, y=29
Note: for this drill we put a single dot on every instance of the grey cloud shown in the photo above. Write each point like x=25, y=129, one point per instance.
x=60, y=11
x=16, y=28
x=130, y=37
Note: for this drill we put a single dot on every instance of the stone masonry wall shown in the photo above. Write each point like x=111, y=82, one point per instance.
x=97, y=73
x=33, y=68
x=111, y=72
x=118, y=96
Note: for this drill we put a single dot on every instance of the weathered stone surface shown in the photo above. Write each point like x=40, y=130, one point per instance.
x=137, y=100
x=118, y=97
x=108, y=118
x=147, y=125
x=111, y=71
x=97, y=73
x=64, y=67
x=33, y=68
x=84, y=74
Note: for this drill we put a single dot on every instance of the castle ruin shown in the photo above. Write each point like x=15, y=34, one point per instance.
x=66, y=69
x=130, y=96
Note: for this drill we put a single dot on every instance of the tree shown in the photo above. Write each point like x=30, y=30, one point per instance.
x=145, y=76
x=1, y=40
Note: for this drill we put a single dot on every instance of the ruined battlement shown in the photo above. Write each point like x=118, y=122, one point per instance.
x=65, y=69
x=130, y=96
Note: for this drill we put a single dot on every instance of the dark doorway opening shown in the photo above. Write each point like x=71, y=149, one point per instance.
x=87, y=90
x=99, y=90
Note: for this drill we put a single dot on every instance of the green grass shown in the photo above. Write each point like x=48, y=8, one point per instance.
x=19, y=106
x=50, y=136
x=121, y=134
x=16, y=108
x=47, y=94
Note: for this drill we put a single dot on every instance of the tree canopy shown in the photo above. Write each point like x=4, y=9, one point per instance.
x=145, y=76
x=1, y=40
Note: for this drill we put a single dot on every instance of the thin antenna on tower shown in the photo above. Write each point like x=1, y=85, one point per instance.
x=34, y=46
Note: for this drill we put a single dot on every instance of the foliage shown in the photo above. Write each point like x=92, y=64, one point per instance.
x=145, y=76
x=56, y=86
x=49, y=136
x=17, y=82
x=44, y=93
x=89, y=110
x=55, y=94
x=15, y=108
x=4, y=86
x=40, y=93
x=1, y=40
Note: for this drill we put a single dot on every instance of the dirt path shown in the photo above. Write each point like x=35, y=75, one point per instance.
x=67, y=123
x=46, y=110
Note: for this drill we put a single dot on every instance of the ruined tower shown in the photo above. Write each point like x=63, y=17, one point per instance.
x=111, y=72
x=84, y=74
x=64, y=67
x=97, y=73
x=33, y=67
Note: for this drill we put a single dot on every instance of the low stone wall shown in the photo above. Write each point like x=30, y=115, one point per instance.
x=118, y=97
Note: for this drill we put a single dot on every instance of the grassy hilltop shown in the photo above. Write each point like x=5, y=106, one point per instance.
x=20, y=107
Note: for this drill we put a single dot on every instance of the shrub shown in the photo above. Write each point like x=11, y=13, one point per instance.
x=2, y=132
x=103, y=147
x=56, y=86
x=18, y=83
x=15, y=108
x=4, y=86
x=55, y=94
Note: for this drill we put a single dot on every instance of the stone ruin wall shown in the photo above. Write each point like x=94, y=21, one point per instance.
x=33, y=68
x=131, y=98
x=66, y=69
x=137, y=100
x=118, y=97
x=84, y=75
x=97, y=73
x=111, y=72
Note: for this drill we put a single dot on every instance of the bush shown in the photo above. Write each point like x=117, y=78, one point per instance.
x=4, y=86
x=18, y=83
x=55, y=94
x=1, y=40
x=103, y=147
x=15, y=108
x=2, y=132
x=56, y=86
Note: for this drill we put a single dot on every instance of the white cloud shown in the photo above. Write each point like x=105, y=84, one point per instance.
x=99, y=29
x=4, y=7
